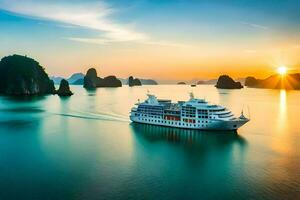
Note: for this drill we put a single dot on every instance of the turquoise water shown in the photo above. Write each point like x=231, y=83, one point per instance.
x=85, y=147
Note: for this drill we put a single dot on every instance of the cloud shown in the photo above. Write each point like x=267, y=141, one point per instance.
x=166, y=43
x=92, y=15
x=257, y=26
x=148, y=42
x=91, y=40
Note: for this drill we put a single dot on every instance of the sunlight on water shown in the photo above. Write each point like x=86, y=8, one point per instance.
x=282, y=102
x=282, y=110
x=280, y=145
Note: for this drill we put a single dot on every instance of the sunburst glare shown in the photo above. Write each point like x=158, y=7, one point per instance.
x=282, y=70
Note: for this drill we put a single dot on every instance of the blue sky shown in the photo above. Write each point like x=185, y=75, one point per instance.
x=133, y=36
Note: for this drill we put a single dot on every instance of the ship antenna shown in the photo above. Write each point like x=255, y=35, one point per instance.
x=243, y=109
x=249, y=112
x=191, y=95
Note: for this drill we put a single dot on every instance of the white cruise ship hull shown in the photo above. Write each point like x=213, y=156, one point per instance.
x=209, y=125
x=192, y=114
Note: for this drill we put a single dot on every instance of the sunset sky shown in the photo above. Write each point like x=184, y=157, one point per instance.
x=161, y=39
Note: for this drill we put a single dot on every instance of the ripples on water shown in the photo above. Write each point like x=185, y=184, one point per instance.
x=84, y=147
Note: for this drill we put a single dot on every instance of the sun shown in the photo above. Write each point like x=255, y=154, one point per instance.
x=282, y=70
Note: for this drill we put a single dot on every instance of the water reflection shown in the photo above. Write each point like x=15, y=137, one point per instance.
x=282, y=110
x=20, y=114
x=187, y=137
x=15, y=124
x=282, y=102
x=224, y=95
x=280, y=144
x=24, y=109
x=91, y=91
x=22, y=99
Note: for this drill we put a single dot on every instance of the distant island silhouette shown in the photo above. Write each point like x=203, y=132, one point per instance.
x=134, y=82
x=148, y=82
x=226, y=82
x=74, y=79
x=78, y=82
x=21, y=75
x=91, y=80
x=181, y=83
x=143, y=81
x=78, y=79
x=201, y=82
x=289, y=81
x=64, y=89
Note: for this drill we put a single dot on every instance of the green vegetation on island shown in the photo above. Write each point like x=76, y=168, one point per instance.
x=21, y=75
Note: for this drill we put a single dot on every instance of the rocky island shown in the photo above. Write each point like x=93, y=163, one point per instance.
x=134, y=81
x=181, y=83
x=64, y=89
x=200, y=82
x=91, y=80
x=289, y=81
x=21, y=75
x=78, y=82
x=148, y=82
x=76, y=78
x=226, y=82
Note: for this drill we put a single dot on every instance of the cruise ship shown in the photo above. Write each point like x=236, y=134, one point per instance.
x=192, y=114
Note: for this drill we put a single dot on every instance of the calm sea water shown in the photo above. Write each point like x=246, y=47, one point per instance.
x=85, y=147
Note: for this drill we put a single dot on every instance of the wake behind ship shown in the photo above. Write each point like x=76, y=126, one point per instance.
x=192, y=114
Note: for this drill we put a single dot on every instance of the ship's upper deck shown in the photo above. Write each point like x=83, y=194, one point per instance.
x=193, y=108
x=192, y=102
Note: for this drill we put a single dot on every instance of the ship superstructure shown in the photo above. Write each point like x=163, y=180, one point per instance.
x=192, y=114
